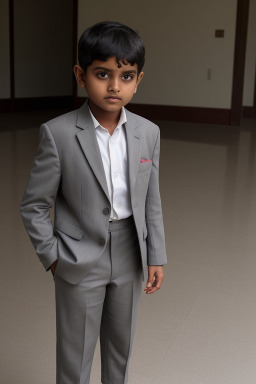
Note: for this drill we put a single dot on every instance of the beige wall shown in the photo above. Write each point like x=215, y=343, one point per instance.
x=43, y=48
x=250, y=65
x=4, y=49
x=180, y=47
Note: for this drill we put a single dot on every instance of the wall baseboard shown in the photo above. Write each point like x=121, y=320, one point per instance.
x=5, y=105
x=36, y=103
x=249, y=112
x=151, y=112
x=182, y=114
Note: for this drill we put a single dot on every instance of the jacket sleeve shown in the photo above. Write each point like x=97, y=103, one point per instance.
x=154, y=220
x=39, y=197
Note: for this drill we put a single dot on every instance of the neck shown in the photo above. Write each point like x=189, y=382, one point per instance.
x=106, y=119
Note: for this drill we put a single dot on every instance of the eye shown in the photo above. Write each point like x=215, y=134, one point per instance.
x=127, y=77
x=102, y=75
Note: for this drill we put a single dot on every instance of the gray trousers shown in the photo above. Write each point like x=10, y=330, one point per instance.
x=105, y=303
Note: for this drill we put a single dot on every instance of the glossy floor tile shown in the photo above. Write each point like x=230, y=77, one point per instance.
x=200, y=328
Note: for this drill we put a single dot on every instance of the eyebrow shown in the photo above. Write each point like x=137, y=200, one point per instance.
x=111, y=70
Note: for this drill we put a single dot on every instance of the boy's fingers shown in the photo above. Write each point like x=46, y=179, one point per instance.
x=151, y=280
x=54, y=265
x=155, y=279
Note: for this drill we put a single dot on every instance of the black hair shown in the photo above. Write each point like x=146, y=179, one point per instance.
x=110, y=39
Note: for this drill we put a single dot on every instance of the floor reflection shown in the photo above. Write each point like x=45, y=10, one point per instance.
x=201, y=325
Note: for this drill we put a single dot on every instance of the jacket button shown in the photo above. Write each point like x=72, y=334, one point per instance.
x=105, y=211
x=102, y=242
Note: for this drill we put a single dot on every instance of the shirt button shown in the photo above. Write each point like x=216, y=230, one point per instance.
x=102, y=242
x=117, y=205
x=115, y=175
x=105, y=211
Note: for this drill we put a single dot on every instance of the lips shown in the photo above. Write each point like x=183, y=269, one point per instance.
x=112, y=98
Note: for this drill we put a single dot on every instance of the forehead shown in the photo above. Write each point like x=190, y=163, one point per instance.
x=112, y=64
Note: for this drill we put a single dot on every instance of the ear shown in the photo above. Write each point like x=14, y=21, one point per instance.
x=80, y=75
x=141, y=74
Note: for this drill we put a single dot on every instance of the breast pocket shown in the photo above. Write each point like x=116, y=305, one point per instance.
x=145, y=167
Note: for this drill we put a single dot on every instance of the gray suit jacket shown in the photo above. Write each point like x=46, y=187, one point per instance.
x=68, y=170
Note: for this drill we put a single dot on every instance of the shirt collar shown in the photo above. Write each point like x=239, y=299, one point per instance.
x=122, y=119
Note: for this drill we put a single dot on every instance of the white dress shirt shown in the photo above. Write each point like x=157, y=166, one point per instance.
x=114, y=156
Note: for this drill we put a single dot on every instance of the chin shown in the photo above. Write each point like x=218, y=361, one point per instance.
x=114, y=108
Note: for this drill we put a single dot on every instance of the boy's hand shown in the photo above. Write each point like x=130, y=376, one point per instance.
x=53, y=266
x=155, y=278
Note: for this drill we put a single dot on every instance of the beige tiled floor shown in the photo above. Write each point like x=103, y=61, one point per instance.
x=201, y=327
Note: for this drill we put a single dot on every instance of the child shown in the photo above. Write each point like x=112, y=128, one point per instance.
x=99, y=165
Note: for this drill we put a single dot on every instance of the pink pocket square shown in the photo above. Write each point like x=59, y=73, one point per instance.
x=145, y=160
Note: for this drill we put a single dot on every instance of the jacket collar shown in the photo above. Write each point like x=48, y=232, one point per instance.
x=89, y=144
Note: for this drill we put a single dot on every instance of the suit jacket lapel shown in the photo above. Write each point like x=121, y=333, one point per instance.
x=89, y=144
x=134, y=149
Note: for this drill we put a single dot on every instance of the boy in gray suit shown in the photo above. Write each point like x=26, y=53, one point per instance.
x=99, y=165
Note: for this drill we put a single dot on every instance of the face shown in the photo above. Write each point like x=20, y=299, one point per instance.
x=109, y=85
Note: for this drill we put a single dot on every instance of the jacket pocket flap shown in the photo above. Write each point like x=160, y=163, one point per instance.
x=69, y=229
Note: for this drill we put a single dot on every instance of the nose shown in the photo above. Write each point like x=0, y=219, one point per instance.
x=114, y=85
